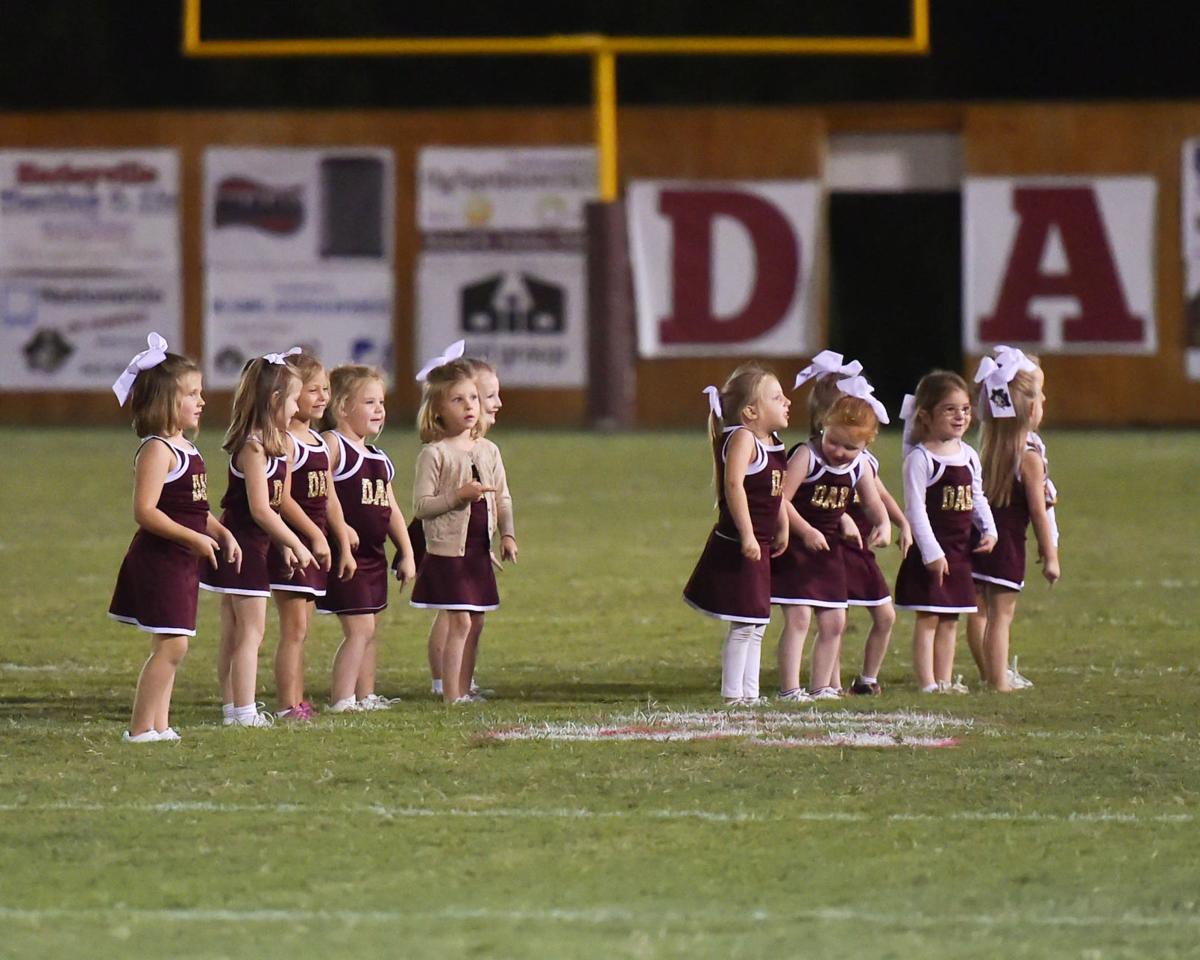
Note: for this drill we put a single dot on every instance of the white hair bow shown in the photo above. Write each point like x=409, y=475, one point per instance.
x=155, y=354
x=996, y=374
x=827, y=361
x=452, y=352
x=861, y=388
x=714, y=401
x=279, y=358
x=908, y=413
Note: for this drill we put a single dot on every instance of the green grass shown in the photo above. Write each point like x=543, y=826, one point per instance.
x=1063, y=825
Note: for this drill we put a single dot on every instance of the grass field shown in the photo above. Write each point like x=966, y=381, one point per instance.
x=1063, y=824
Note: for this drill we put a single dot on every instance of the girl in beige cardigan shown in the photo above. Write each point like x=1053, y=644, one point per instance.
x=456, y=496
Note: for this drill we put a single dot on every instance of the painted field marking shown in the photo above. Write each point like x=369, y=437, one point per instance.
x=598, y=916
x=384, y=811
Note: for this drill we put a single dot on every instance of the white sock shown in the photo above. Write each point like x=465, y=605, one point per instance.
x=227, y=711
x=753, y=663
x=865, y=679
x=932, y=688
x=437, y=686
x=245, y=714
x=734, y=652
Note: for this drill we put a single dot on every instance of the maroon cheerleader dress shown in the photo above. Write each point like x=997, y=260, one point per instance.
x=310, y=482
x=157, y=586
x=866, y=586
x=725, y=584
x=254, y=579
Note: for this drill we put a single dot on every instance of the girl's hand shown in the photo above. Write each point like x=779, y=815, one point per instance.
x=779, y=543
x=939, y=568
x=472, y=491
x=881, y=535
x=905, y=541
x=1050, y=569
x=814, y=540
x=985, y=544
x=750, y=549
x=406, y=570
x=508, y=548
x=352, y=538
x=322, y=553
x=850, y=530
x=289, y=560
x=301, y=559
x=347, y=566
x=206, y=548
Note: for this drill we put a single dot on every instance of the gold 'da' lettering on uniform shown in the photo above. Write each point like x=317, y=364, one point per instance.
x=957, y=498
x=318, y=484
x=199, y=486
x=374, y=493
x=826, y=497
x=276, y=492
x=776, y=483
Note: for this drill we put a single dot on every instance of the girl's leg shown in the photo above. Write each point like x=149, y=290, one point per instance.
x=153, y=695
x=458, y=626
x=977, y=624
x=295, y=615
x=924, y=627
x=883, y=618
x=470, y=651
x=437, y=648
x=831, y=623
x=225, y=650
x=357, y=629
x=250, y=621
x=796, y=619
x=753, y=665
x=944, y=642
x=1002, y=607
x=364, y=685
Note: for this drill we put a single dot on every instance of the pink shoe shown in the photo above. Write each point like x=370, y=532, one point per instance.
x=300, y=713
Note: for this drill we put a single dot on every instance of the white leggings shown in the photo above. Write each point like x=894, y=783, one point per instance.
x=740, y=657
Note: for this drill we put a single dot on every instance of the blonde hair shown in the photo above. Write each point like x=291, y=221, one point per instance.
x=261, y=393
x=345, y=381
x=478, y=365
x=741, y=389
x=932, y=389
x=1002, y=439
x=306, y=366
x=433, y=394
x=855, y=416
x=825, y=394
x=154, y=399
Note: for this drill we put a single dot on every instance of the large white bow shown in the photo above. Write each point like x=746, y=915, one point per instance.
x=996, y=374
x=452, y=352
x=279, y=358
x=860, y=387
x=714, y=401
x=827, y=361
x=908, y=413
x=155, y=354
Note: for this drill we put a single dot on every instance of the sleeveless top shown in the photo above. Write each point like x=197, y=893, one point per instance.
x=763, y=484
x=236, y=503
x=361, y=483
x=310, y=473
x=826, y=492
x=184, y=496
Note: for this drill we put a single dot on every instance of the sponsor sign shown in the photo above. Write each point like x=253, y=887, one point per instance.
x=95, y=210
x=71, y=333
x=340, y=316
x=1059, y=265
x=1190, y=245
x=724, y=268
x=503, y=261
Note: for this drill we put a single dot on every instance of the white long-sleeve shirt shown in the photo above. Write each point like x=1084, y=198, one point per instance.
x=921, y=468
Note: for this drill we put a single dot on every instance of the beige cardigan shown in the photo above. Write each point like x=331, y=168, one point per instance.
x=441, y=470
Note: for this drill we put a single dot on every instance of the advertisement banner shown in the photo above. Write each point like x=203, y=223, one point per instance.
x=1059, y=265
x=503, y=262
x=74, y=210
x=1190, y=198
x=724, y=268
x=287, y=207
x=340, y=316
x=523, y=312
x=78, y=333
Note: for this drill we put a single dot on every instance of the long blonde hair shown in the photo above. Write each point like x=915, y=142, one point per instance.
x=932, y=389
x=345, y=381
x=433, y=393
x=1002, y=439
x=260, y=395
x=741, y=389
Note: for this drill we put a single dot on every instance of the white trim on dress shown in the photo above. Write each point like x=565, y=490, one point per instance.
x=133, y=621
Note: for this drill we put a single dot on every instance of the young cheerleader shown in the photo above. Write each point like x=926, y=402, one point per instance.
x=457, y=495
x=732, y=579
x=943, y=495
x=362, y=477
x=487, y=381
x=312, y=514
x=256, y=441
x=822, y=475
x=1018, y=487
x=157, y=586
x=866, y=585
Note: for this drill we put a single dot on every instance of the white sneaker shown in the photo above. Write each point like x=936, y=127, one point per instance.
x=436, y=688
x=375, y=702
x=826, y=693
x=170, y=735
x=953, y=686
x=345, y=705
x=735, y=702
x=480, y=691
x=1015, y=680
x=799, y=695
x=260, y=719
x=463, y=701
x=150, y=736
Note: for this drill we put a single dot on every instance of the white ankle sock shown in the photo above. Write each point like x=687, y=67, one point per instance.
x=437, y=686
x=227, y=711
x=243, y=714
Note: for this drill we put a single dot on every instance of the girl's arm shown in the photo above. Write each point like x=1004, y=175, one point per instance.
x=427, y=502
x=343, y=533
x=299, y=521
x=873, y=507
x=229, y=546
x=253, y=461
x=779, y=544
x=504, y=511
x=981, y=510
x=797, y=470
x=1033, y=479
x=737, y=459
x=896, y=515
x=406, y=569
x=916, y=477
x=154, y=461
